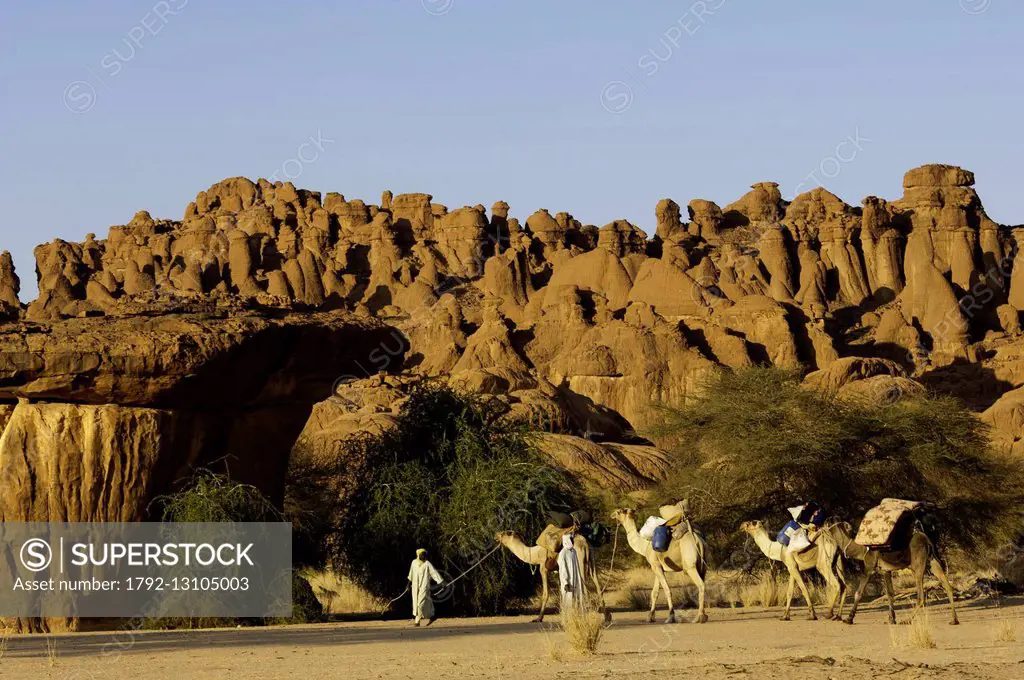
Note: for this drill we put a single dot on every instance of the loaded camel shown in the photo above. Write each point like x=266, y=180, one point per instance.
x=824, y=556
x=919, y=554
x=544, y=555
x=685, y=554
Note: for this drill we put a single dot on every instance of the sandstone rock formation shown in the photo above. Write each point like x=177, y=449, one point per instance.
x=107, y=412
x=271, y=318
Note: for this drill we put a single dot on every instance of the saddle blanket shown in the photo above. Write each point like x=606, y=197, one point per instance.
x=883, y=524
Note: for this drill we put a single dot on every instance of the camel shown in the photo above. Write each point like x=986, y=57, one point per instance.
x=919, y=554
x=544, y=555
x=689, y=559
x=824, y=556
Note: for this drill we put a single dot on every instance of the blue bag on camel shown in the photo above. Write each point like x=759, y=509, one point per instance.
x=662, y=537
x=784, y=536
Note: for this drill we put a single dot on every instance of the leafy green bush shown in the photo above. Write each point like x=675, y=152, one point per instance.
x=756, y=442
x=449, y=475
x=209, y=497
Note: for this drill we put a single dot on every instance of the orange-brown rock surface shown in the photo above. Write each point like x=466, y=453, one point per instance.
x=102, y=413
x=247, y=310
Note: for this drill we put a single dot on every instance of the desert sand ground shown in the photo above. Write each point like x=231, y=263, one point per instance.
x=736, y=643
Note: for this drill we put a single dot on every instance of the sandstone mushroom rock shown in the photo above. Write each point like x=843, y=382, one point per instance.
x=620, y=238
x=463, y=240
x=763, y=203
x=706, y=219
x=941, y=202
x=549, y=234
x=670, y=226
x=412, y=217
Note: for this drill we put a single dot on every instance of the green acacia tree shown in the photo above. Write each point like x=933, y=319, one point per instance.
x=755, y=442
x=452, y=472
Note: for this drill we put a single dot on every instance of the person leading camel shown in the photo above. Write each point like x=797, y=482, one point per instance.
x=421, y=573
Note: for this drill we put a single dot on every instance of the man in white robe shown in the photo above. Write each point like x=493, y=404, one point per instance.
x=421, y=573
x=569, y=576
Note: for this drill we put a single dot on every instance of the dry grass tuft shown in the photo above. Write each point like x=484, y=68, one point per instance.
x=339, y=595
x=638, y=599
x=633, y=589
x=52, y=653
x=918, y=636
x=1006, y=631
x=554, y=649
x=5, y=639
x=584, y=630
x=768, y=591
x=724, y=591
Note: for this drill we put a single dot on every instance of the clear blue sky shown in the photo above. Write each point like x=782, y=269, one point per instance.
x=479, y=100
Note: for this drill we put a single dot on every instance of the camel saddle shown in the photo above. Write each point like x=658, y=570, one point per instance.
x=551, y=539
x=676, y=516
x=674, y=512
x=888, y=524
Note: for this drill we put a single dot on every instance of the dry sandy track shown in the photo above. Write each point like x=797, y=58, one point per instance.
x=734, y=644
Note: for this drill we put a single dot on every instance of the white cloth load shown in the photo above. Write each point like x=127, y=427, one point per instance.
x=798, y=540
x=652, y=523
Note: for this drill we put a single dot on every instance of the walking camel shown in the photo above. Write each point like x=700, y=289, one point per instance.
x=544, y=555
x=685, y=554
x=824, y=556
x=919, y=554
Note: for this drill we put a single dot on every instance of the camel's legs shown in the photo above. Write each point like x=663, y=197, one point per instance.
x=919, y=580
x=811, y=616
x=660, y=574
x=654, y=594
x=890, y=595
x=833, y=585
x=839, y=595
x=869, y=569
x=842, y=599
x=789, y=595
x=841, y=586
x=694, y=575
x=940, y=574
x=544, y=594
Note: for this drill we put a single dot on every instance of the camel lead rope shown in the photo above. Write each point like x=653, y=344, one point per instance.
x=477, y=564
x=391, y=602
x=446, y=585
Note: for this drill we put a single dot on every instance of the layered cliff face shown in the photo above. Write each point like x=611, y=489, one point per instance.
x=582, y=329
x=102, y=414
